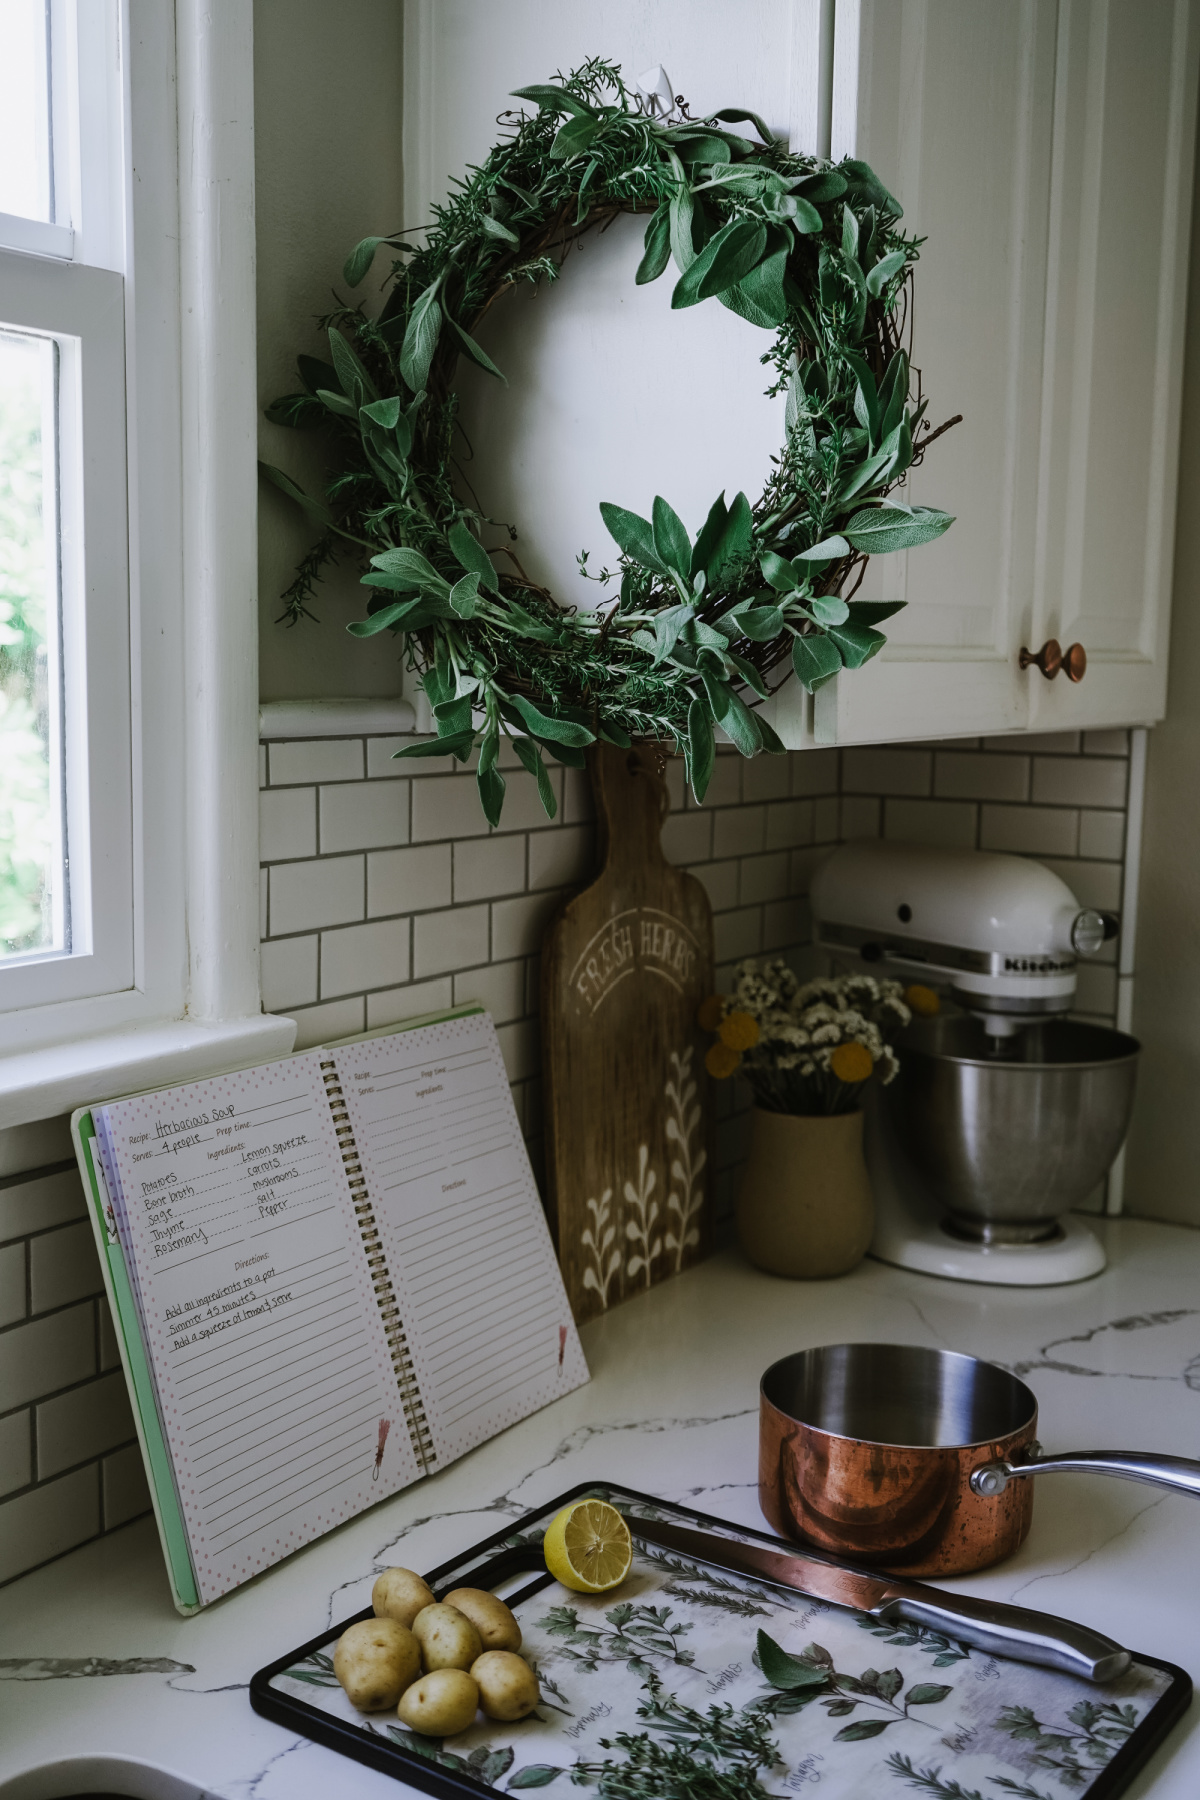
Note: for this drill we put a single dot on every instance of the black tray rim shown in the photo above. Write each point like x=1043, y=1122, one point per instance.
x=404, y=1765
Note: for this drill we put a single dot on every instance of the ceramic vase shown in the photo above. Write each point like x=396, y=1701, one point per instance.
x=805, y=1208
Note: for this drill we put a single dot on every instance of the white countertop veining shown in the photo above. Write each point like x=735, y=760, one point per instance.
x=672, y=1409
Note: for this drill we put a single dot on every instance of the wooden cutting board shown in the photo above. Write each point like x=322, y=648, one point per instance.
x=624, y=967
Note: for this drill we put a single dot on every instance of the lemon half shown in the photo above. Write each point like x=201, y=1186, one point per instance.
x=588, y=1547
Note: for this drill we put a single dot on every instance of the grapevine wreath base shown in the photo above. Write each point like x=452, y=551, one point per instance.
x=810, y=252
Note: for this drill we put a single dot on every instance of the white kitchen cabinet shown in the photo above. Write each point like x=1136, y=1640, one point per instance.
x=1044, y=150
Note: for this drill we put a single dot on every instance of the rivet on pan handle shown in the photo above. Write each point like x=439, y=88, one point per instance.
x=1177, y=1472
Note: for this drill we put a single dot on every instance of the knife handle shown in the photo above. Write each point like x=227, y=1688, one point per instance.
x=1013, y=1631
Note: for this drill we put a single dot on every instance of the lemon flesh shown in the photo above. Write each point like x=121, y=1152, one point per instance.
x=588, y=1547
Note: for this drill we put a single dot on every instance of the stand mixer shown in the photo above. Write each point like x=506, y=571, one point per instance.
x=1006, y=1114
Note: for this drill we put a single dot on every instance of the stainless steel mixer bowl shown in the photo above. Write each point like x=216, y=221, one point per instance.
x=1008, y=1133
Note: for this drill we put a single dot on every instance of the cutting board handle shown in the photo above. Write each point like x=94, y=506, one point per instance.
x=632, y=804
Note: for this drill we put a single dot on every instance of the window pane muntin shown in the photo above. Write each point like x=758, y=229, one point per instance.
x=26, y=153
x=33, y=898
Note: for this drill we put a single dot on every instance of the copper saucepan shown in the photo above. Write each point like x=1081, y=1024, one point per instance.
x=914, y=1461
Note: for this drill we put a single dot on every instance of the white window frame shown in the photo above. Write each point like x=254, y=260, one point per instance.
x=184, y=137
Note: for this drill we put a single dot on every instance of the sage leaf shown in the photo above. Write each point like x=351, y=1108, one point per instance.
x=473, y=350
x=353, y=378
x=702, y=749
x=534, y=1775
x=857, y=643
x=315, y=374
x=862, y=178
x=531, y=756
x=574, y=137
x=410, y=567
x=772, y=743
x=781, y=574
x=658, y=246
x=829, y=609
x=750, y=676
x=825, y=184
x=681, y=214
x=461, y=746
x=761, y=623
x=732, y=115
x=861, y=1728
x=634, y=534
x=828, y=550
x=709, y=537
x=337, y=403
x=878, y=530
x=667, y=626
x=926, y=1693
x=794, y=207
x=815, y=659
x=731, y=713
x=491, y=785
x=315, y=509
x=874, y=612
x=383, y=412
x=671, y=542
x=893, y=393
x=849, y=233
x=708, y=148
x=420, y=339
x=559, y=731
x=471, y=554
x=733, y=546
x=549, y=98
x=464, y=596
x=496, y=228
x=387, y=615
x=359, y=261
x=762, y=287
x=883, y=271
x=739, y=302
x=731, y=253
x=784, y=1671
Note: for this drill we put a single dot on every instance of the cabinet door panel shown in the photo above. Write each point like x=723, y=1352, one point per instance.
x=1116, y=290
x=950, y=101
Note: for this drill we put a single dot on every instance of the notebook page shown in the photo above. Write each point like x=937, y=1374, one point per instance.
x=481, y=1298
x=271, y=1365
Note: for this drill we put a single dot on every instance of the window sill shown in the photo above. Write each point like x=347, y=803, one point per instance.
x=42, y=1084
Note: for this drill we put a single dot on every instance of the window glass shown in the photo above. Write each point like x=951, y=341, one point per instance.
x=32, y=886
x=26, y=173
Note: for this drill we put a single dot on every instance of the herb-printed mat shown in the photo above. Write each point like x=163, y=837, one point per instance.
x=666, y=1688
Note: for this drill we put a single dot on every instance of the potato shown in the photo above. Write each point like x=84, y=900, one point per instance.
x=441, y=1704
x=496, y=1624
x=375, y=1661
x=399, y=1594
x=508, y=1687
x=447, y=1638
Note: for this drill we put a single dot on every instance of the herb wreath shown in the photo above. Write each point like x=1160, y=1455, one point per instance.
x=793, y=245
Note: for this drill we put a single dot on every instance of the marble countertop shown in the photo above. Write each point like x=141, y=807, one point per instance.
x=95, y=1664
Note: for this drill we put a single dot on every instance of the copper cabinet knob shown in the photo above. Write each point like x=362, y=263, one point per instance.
x=1052, y=657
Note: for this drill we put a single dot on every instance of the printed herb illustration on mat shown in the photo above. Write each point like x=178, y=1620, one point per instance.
x=630, y=1634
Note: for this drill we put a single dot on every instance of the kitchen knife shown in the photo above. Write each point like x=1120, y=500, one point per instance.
x=990, y=1625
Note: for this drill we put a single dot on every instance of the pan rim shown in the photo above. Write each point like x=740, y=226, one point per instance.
x=930, y=1350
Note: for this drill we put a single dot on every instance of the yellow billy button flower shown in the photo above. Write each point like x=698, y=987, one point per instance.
x=922, y=1000
x=708, y=1017
x=739, y=1031
x=721, y=1061
x=851, y=1063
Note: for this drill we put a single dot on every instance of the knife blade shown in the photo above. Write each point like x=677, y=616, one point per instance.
x=990, y=1625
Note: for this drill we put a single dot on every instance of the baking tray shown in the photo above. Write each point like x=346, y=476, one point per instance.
x=899, y=1711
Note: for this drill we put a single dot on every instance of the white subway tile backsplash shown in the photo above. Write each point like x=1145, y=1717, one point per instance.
x=325, y=1024
x=720, y=882
x=519, y=1048
x=363, y=815
x=860, y=817
x=1095, y=989
x=517, y=925
x=364, y=956
x=789, y=824
x=445, y=941
x=725, y=785
x=1106, y=743
x=1102, y=835
x=499, y=987
x=1091, y=781
x=737, y=934
x=764, y=878
x=785, y=922
x=287, y=823
x=63, y=1266
x=16, y=1452
x=110, y=1355
x=34, y=1146
x=27, y=1206
x=407, y=880
x=80, y=1426
x=951, y=824
x=315, y=759
x=1030, y=830
x=44, y=1521
x=814, y=772
x=305, y=895
x=1028, y=743
x=766, y=778
x=263, y=894
x=687, y=837
x=484, y=867
x=561, y=858
x=739, y=831
x=384, y=765
x=47, y=1354
x=12, y=1285
x=883, y=770
x=1095, y=884
x=288, y=969
x=446, y=807
x=975, y=775
x=394, y=1005
x=826, y=814
x=805, y=863
x=577, y=805
x=123, y=1486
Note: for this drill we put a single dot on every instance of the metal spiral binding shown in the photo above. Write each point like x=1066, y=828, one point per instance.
x=385, y=1293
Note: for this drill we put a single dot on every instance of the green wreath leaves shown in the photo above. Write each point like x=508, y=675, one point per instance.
x=809, y=252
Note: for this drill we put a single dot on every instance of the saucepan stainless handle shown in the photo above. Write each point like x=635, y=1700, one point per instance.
x=1016, y=1631
x=1176, y=1472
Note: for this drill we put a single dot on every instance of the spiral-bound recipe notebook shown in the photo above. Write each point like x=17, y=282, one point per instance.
x=329, y=1275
